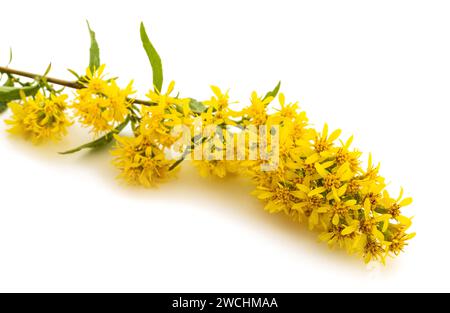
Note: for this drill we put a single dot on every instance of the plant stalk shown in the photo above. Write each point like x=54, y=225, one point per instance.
x=60, y=82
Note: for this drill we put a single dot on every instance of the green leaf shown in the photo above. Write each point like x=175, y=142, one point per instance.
x=197, y=106
x=8, y=94
x=49, y=68
x=3, y=107
x=94, y=57
x=274, y=92
x=4, y=104
x=9, y=82
x=102, y=141
x=155, y=60
x=74, y=74
x=10, y=56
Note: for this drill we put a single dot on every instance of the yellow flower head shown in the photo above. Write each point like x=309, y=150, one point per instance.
x=39, y=118
x=257, y=111
x=102, y=104
x=158, y=121
x=220, y=100
x=166, y=100
x=140, y=162
x=218, y=111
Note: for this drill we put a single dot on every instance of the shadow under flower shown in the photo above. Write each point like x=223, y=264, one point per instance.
x=189, y=187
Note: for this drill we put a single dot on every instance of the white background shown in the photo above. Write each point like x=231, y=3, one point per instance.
x=377, y=69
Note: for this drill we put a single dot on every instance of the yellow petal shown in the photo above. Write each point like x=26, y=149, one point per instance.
x=312, y=158
x=367, y=205
x=325, y=236
x=349, y=230
x=299, y=194
x=325, y=131
x=313, y=219
x=385, y=225
x=265, y=195
x=383, y=217
x=216, y=91
x=369, y=162
x=350, y=202
x=343, y=169
x=299, y=207
x=282, y=99
x=316, y=191
x=303, y=188
x=274, y=207
x=335, y=195
x=406, y=202
x=379, y=235
x=328, y=164
x=171, y=87
x=341, y=191
x=404, y=221
x=334, y=135
x=335, y=219
x=401, y=194
x=322, y=172
x=348, y=143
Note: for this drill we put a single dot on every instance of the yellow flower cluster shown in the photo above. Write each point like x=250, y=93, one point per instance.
x=141, y=159
x=140, y=162
x=312, y=176
x=102, y=104
x=320, y=181
x=39, y=118
x=217, y=116
x=315, y=178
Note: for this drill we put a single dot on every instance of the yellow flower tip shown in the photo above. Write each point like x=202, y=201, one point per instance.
x=325, y=131
x=171, y=87
x=216, y=90
x=406, y=202
x=334, y=135
x=282, y=99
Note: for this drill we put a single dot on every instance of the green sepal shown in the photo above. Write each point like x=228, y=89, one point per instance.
x=154, y=58
x=102, y=141
x=197, y=106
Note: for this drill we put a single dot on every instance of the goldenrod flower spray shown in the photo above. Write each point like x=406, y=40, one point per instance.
x=310, y=175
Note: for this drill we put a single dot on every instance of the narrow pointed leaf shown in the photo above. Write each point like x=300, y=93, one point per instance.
x=102, y=141
x=274, y=92
x=8, y=94
x=49, y=68
x=94, y=55
x=154, y=58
